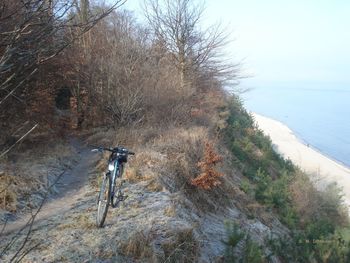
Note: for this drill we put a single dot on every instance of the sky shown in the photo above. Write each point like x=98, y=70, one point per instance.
x=284, y=42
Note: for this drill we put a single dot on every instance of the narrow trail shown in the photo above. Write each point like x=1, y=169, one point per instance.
x=69, y=190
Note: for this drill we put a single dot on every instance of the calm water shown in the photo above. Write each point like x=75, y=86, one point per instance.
x=318, y=116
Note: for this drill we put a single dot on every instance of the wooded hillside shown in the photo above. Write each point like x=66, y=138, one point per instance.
x=205, y=184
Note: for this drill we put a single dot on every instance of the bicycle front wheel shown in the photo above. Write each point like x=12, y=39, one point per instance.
x=116, y=193
x=103, y=200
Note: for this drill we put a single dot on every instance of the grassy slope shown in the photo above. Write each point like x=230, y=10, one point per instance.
x=264, y=209
x=313, y=217
x=27, y=171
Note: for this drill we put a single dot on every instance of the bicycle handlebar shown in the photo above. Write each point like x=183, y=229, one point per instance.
x=114, y=150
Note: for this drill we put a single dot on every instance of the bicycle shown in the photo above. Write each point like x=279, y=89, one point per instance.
x=110, y=190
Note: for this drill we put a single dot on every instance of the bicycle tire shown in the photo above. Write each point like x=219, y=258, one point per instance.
x=115, y=198
x=104, y=198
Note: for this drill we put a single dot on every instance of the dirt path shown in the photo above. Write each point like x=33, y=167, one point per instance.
x=69, y=189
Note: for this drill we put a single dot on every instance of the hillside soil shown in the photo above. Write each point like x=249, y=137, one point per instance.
x=156, y=223
x=67, y=189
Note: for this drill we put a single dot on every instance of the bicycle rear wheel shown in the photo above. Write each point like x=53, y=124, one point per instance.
x=104, y=198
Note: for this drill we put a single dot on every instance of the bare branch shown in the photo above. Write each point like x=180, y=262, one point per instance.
x=176, y=24
x=20, y=139
x=34, y=32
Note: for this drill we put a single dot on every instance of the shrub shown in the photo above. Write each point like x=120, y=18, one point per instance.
x=312, y=215
x=209, y=177
x=299, y=248
x=234, y=236
x=246, y=187
x=263, y=187
x=319, y=228
x=252, y=252
x=332, y=250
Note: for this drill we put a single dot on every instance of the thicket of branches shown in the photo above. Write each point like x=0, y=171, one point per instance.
x=115, y=70
x=33, y=34
x=67, y=64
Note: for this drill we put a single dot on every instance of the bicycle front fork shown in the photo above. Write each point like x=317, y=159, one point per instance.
x=117, y=173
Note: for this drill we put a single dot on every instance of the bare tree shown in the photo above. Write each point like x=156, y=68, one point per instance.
x=32, y=33
x=122, y=69
x=176, y=24
x=111, y=69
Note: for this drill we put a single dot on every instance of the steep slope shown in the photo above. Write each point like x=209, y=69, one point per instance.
x=163, y=219
x=253, y=214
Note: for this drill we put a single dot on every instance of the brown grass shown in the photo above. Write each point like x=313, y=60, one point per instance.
x=100, y=136
x=81, y=221
x=29, y=169
x=311, y=203
x=138, y=246
x=183, y=247
x=8, y=195
x=151, y=179
x=183, y=149
x=170, y=211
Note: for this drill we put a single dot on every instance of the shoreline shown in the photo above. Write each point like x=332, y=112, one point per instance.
x=322, y=168
x=303, y=141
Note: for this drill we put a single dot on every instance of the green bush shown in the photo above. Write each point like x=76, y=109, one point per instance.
x=312, y=223
x=263, y=187
x=233, y=236
x=289, y=217
x=246, y=187
x=299, y=248
x=319, y=229
x=252, y=252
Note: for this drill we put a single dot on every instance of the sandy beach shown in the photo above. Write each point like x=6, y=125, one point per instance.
x=324, y=169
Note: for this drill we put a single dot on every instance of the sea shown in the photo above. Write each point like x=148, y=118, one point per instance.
x=319, y=115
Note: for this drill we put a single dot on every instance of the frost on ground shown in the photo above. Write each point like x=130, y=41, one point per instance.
x=28, y=172
x=163, y=219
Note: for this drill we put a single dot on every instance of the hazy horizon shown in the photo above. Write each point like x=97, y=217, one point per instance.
x=293, y=42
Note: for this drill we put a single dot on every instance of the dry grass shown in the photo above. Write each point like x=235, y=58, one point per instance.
x=29, y=169
x=170, y=211
x=138, y=245
x=183, y=149
x=8, y=194
x=100, y=136
x=179, y=246
x=131, y=174
x=182, y=247
x=81, y=221
x=144, y=167
x=154, y=185
x=311, y=203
